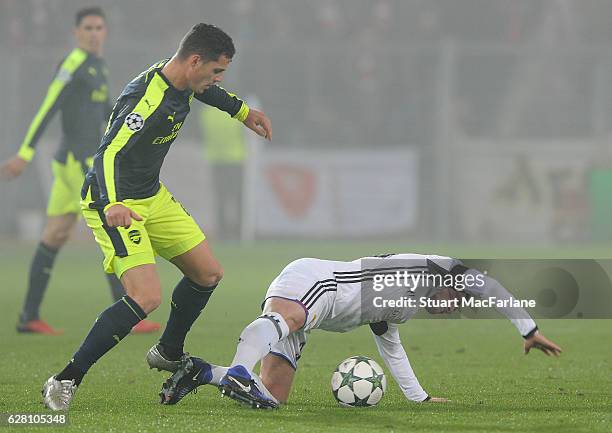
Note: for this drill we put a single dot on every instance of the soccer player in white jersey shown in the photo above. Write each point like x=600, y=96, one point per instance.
x=339, y=296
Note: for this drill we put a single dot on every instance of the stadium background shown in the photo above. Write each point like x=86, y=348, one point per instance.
x=473, y=128
x=486, y=121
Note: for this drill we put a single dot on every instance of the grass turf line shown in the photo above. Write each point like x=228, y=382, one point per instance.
x=478, y=364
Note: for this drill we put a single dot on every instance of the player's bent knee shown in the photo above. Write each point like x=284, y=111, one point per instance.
x=207, y=278
x=148, y=302
x=293, y=313
x=295, y=321
x=148, y=298
x=56, y=239
x=142, y=285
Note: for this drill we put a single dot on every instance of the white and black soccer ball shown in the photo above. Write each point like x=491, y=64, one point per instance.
x=358, y=382
x=134, y=121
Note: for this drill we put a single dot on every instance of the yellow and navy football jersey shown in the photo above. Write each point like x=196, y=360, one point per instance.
x=79, y=91
x=143, y=125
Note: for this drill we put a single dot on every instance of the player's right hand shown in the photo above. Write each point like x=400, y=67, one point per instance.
x=12, y=168
x=120, y=216
x=258, y=122
x=538, y=341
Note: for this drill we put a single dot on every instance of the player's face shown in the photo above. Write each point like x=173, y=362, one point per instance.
x=91, y=33
x=201, y=75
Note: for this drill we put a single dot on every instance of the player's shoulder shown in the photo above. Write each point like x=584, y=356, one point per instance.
x=74, y=59
x=136, y=88
x=71, y=64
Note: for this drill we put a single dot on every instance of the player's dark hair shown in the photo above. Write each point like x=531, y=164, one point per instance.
x=208, y=41
x=85, y=12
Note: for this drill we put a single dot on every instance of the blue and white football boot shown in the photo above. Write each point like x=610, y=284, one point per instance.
x=247, y=388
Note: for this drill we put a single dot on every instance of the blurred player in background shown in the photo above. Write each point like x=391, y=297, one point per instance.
x=80, y=91
x=226, y=151
x=330, y=295
x=134, y=217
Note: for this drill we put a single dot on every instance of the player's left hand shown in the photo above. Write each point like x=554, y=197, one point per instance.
x=12, y=168
x=260, y=123
x=538, y=341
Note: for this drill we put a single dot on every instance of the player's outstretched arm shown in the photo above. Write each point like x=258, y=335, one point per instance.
x=518, y=316
x=540, y=342
x=483, y=286
x=220, y=98
x=390, y=348
x=12, y=168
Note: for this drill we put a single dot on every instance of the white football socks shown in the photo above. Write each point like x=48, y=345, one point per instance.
x=258, y=338
x=217, y=374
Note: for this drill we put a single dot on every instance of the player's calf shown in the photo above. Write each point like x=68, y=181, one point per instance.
x=277, y=375
x=281, y=317
x=112, y=326
x=258, y=338
x=206, y=277
x=188, y=301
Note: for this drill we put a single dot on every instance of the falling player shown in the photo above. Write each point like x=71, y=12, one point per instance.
x=337, y=296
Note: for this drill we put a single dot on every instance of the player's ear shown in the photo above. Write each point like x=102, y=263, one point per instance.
x=194, y=60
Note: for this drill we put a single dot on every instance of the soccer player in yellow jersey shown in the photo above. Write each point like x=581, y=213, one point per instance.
x=80, y=92
x=134, y=217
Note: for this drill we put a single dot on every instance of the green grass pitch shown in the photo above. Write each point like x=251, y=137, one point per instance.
x=478, y=364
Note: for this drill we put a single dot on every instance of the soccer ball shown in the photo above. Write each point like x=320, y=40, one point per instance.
x=358, y=381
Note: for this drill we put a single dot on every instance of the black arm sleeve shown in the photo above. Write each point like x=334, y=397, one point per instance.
x=220, y=98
